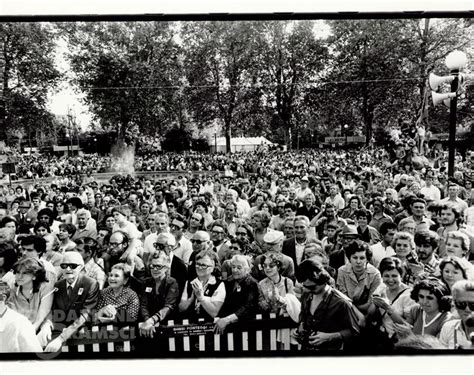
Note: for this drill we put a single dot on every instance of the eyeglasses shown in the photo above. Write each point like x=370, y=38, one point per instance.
x=157, y=266
x=203, y=266
x=461, y=305
x=114, y=244
x=240, y=233
x=70, y=265
x=159, y=246
x=217, y=232
x=234, y=248
x=198, y=241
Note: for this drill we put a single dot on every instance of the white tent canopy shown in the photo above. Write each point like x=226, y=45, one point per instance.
x=239, y=144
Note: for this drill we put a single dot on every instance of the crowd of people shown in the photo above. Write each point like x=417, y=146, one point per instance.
x=364, y=250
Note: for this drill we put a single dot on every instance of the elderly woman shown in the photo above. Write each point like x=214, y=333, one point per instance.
x=160, y=294
x=358, y=279
x=31, y=295
x=204, y=296
x=391, y=300
x=241, y=295
x=327, y=321
x=117, y=302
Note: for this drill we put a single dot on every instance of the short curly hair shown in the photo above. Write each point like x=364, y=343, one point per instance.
x=435, y=287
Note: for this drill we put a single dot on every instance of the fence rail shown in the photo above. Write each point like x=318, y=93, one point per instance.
x=264, y=333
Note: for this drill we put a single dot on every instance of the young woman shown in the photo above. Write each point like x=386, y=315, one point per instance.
x=31, y=294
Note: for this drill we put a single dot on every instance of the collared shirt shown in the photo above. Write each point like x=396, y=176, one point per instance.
x=299, y=250
x=351, y=286
x=337, y=201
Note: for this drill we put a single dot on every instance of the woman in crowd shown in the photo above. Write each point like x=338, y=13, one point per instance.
x=31, y=295
x=358, y=279
x=63, y=214
x=354, y=204
x=274, y=287
x=432, y=310
x=407, y=225
x=204, y=296
x=117, y=302
x=241, y=295
x=160, y=294
x=404, y=246
x=454, y=269
x=259, y=221
x=391, y=301
x=457, y=244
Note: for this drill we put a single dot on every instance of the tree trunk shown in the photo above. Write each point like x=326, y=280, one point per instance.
x=228, y=137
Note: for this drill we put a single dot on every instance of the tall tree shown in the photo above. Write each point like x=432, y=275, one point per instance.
x=219, y=60
x=291, y=57
x=28, y=74
x=127, y=72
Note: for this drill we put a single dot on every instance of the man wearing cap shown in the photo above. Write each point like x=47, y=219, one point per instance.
x=303, y=190
x=17, y=334
x=272, y=242
x=349, y=234
x=184, y=248
x=75, y=297
x=178, y=270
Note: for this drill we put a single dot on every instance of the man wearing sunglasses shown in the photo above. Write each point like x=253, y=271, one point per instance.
x=75, y=297
x=457, y=333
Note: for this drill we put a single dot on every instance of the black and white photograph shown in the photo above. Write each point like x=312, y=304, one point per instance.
x=240, y=185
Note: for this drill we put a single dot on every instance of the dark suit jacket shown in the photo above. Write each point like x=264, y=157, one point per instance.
x=159, y=304
x=83, y=300
x=289, y=249
x=179, y=272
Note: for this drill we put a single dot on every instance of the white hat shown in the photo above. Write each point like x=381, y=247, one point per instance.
x=273, y=237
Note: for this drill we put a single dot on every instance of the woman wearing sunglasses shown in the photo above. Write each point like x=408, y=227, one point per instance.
x=160, y=294
x=203, y=296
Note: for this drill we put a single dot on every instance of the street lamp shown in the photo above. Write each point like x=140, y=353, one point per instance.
x=345, y=132
x=455, y=61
